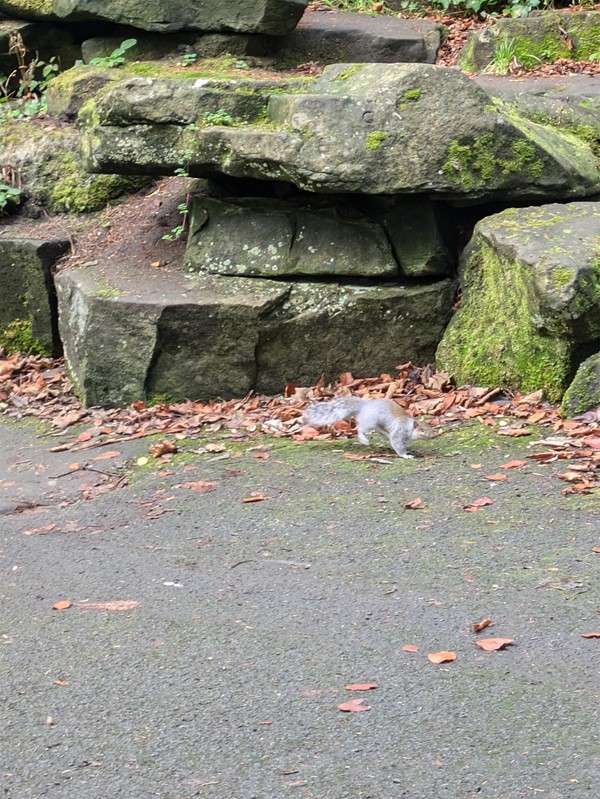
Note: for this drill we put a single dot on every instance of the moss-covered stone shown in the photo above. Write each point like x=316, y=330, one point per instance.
x=584, y=392
x=531, y=299
x=18, y=337
x=489, y=159
x=533, y=40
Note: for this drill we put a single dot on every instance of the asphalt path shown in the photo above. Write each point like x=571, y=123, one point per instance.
x=243, y=622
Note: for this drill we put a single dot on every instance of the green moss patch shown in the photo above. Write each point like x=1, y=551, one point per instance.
x=493, y=340
x=18, y=337
x=490, y=159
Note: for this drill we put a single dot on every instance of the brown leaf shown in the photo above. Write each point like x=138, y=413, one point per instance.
x=354, y=706
x=481, y=625
x=105, y=456
x=62, y=605
x=491, y=644
x=590, y=635
x=255, y=498
x=410, y=648
x=215, y=447
x=478, y=503
x=162, y=448
x=203, y=486
x=513, y=464
x=116, y=605
x=596, y=550
x=414, y=504
x=496, y=477
x=514, y=432
x=361, y=686
x=441, y=657
x=592, y=441
x=289, y=390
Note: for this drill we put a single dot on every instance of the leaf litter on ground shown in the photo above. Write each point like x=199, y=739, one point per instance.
x=36, y=387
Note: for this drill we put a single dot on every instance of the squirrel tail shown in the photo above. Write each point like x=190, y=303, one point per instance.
x=323, y=413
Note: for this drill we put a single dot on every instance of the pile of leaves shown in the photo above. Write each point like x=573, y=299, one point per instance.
x=37, y=387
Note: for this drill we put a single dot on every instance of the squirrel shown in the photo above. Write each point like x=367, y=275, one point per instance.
x=372, y=415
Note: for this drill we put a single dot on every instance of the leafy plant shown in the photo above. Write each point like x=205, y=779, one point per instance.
x=188, y=59
x=220, y=117
x=117, y=57
x=179, y=230
x=32, y=79
x=8, y=195
x=504, y=57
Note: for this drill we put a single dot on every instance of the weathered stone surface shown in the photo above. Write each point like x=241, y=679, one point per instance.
x=47, y=162
x=421, y=232
x=159, y=45
x=344, y=37
x=584, y=392
x=69, y=90
x=273, y=238
x=570, y=103
x=532, y=40
x=374, y=128
x=28, y=315
x=531, y=301
x=328, y=329
x=201, y=337
x=274, y=17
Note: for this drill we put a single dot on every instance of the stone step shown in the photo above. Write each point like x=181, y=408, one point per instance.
x=136, y=333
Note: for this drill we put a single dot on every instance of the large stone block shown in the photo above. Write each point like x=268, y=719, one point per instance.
x=358, y=128
x=274, y=238
x=531, y=301
x=346, y=37
x=132, y=335
x=28, y=315
x=274, y=17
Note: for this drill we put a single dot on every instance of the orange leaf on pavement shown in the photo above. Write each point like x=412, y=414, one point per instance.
x=254, y=498
x=354, y=706
x=362, y=686
x=491, y=644
x=481, y=625
x=590, y=635
x=513, y=464
x=414, y=504
x=441, y=657
x=410, y=648
x=496, y=477
x=62, y=605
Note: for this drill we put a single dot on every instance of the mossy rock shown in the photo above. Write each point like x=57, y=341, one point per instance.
x=584, y=392
x=51, y=171
x=541, y=38
x=531, y=301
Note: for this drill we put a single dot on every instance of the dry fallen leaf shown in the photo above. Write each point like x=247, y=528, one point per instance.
x=414, y=504
x=62, y=605
x=495, y=477
x=361, y=686
x=116, y=605
x=478, y=503
x=254, y=498
x=410, y=648
x=203, y=486
x=105, y=456
x=491, y=644
x=514, y=432
x=481, y=625
x=513, y=464
x=162, y=448
x=354, y=706
x=441, y=657
x=590, y=635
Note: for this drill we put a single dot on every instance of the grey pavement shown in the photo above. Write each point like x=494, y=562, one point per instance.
x=224, y=680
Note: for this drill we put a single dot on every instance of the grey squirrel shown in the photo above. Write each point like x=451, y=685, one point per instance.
x=372, y=415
